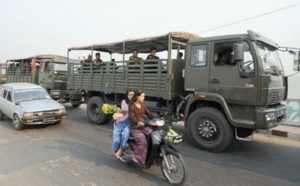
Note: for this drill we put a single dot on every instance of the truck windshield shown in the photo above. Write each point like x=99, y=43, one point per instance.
x=270, y=59
x=60, y=67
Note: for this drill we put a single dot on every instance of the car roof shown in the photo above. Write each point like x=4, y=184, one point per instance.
x=21, y=86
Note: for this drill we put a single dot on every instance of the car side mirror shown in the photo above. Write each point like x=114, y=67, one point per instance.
x=297, y=61
x=238, y=52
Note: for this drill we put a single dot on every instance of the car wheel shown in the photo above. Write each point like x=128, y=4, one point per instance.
x=1, y=115
x=16, y=122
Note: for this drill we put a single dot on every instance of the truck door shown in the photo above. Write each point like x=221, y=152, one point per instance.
x=226, y=78
x=196, y=69
x=45, y=74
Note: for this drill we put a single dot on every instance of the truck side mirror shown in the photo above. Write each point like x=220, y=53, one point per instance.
x=297, y=61
x=238, y=52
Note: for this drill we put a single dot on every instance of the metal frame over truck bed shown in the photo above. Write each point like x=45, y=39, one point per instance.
x=160, y=79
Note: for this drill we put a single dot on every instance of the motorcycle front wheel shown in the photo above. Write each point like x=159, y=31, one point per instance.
x=173, y=169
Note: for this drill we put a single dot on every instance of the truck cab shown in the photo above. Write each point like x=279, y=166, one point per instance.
x=248, y=86
x=52, y=74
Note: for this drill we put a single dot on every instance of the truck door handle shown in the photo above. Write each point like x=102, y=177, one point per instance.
x=214, y=81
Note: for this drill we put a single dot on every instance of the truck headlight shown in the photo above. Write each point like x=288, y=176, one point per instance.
x=62, y=111
x=27, y=114
x=270, y=117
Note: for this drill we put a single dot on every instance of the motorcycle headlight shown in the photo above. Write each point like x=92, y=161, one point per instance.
x=62, y=111
x=27, y=114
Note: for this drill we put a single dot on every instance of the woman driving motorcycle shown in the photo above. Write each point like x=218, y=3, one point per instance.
x=138, y=128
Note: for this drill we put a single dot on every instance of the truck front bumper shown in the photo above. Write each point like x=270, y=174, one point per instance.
x=270, y=117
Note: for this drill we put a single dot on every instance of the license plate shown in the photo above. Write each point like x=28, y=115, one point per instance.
x=48, y=120
x=177, y=139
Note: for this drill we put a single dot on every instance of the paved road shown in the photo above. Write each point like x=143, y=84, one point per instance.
x=78, y=153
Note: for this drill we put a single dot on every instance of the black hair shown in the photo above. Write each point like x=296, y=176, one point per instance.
x=153, y=48
x=137, y=93
x=97, y=54
x=135, y=50
x=126, y=95
x=180, y=54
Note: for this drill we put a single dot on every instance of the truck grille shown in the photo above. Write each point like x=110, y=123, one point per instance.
x=60, y=85
x=276, y=96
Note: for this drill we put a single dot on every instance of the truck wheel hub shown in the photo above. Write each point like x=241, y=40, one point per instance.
x=207, y=130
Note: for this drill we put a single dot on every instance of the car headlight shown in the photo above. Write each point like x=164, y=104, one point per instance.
x=27, y=114
x=62, y=111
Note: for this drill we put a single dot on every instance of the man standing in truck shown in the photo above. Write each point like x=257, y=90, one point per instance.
x=98, y=61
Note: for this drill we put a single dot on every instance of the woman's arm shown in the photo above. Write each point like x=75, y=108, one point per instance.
x=149, y=113
x=132, y=115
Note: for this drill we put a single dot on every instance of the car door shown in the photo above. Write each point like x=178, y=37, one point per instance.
x=3, y=93
x=10, y=105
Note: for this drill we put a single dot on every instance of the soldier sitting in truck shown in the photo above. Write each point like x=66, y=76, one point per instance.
x=222, y=60
x=86, y=64
x=152, y=56
x=137, y=60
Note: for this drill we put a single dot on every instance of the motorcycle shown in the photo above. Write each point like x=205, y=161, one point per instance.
x=165, y=155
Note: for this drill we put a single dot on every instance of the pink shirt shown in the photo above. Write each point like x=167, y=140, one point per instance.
x=124, y=108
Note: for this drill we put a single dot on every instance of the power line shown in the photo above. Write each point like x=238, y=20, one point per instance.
x=249, y=18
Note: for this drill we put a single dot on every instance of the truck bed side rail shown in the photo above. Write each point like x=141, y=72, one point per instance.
x=152, y=76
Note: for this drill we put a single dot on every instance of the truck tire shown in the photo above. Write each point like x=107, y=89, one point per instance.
x=75, y=103
x=94, y=110
x=208, y=129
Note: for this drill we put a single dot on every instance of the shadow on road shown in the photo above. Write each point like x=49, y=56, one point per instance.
x=258, y=156
x=99, y=158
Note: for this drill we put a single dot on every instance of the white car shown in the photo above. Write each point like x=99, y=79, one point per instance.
x=27, y=103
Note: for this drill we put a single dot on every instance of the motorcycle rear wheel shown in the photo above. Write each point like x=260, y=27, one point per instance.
x=174, y=170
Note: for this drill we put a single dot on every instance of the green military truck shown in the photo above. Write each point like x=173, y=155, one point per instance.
x=49, y=71
x=225, y=86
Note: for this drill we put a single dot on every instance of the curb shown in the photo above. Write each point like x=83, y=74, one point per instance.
x=282, y=133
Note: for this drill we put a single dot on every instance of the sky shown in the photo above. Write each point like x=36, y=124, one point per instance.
x=33, y=27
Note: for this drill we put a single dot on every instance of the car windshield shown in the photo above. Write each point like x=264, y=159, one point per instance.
x=30, y=94
x=270, y=59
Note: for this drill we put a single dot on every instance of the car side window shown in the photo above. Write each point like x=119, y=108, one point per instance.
x=4, y=93
x=1, y=92
x=198, y=56
x=9, y=96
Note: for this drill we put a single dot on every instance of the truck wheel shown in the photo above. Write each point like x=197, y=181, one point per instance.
x=94, y=110
x=16, y=122
x=1, y=115
x=75, y=103
x=209, y=130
